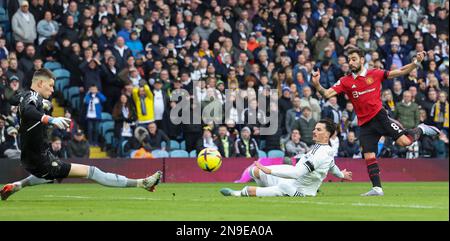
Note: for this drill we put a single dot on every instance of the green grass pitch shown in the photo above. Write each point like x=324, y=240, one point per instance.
x=194, y=201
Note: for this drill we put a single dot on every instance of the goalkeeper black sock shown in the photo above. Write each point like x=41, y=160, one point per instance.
x=374, y=172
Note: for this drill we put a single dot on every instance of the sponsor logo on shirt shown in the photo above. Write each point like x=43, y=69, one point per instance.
x=356, y=94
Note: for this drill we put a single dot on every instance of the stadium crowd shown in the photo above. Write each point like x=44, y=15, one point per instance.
x=128, y=58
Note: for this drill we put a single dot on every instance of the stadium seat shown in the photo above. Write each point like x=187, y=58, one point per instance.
x=179, y=153
x=61, y=73
x=105, y=127
x=52, y=65
x=193, y=153
x=124, y=153
x=174, y=145
x=106, y=116
x=261, y=154
x=71, y=91
x=262, y=145
x=61, y=84
x=75, y=102
x=159, y=154
x=275, y=153
x=109, y=137
x=183, y=145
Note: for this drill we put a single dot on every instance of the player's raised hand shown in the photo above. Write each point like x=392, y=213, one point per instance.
x=60, y=122
x=347, y=174
x=421, y=56
x=315, y=73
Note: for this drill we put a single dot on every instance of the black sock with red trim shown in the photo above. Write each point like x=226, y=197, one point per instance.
x=374, y=172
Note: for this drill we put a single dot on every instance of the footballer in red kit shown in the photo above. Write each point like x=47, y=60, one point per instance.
x=363, y=88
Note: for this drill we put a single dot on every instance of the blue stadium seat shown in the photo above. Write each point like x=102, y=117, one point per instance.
x=174, y=145
x=71, y=91
x=75, y=102
x=261, y=154
x=106, y=116
x=183, y=145
x=275, y=153
x=61, y=84
x=52, y=65
x=122, y=152
x=109, y=137
x=179, y=153
x=61, y=73
x=193, y=153
x=105, y=127
x=159, y=154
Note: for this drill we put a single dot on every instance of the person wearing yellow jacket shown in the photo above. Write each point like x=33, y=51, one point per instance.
x=143, y=99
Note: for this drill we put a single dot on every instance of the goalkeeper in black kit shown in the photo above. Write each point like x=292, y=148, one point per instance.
x=36, y=157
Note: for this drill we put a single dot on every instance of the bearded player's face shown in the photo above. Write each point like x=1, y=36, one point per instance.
x=355, y=62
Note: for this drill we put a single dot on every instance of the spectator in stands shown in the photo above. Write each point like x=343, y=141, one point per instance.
x=293, y=115
x=93, y=102
x=144, y=101
x=207, y=140
x=156, y=137
x=350, y=147
x=246, y=146
x=224, y=143
x=78, y=147
x=294, y=146
x=306, y=125
x=440, y=112
x=121, y=52
x=14, y=70
x=332, y=111
x=91, y=69
x=57, y=148
x=4, y=137
x=313, y=103
x=407, y=112
x=135, y=44
x=24, y=25
x=124, y=116
x=26, y=62
x=47, y=28
x=12, y=88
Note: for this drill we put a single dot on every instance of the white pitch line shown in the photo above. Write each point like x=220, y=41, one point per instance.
x=361, y=204
x=414, y=206
x=67, y=196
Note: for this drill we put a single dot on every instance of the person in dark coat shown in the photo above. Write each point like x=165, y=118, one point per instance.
x=224, y=143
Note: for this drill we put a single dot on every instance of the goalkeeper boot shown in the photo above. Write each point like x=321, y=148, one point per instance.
x=8, y=190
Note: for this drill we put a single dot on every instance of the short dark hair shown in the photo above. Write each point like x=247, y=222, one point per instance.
x=43, y=73
x=359, y=51
x=329, y=125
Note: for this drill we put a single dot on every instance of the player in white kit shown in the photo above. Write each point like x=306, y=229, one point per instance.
x=303, y=179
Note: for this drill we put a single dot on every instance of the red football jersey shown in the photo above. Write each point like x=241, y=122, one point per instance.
x=364, y=92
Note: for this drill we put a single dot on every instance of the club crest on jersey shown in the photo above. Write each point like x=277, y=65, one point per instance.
x=369, y=80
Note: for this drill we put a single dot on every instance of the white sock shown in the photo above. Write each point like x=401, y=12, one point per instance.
x=378, y=189
x=236, y=193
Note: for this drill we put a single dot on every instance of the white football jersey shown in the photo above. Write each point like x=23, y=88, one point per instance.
x=319, y=160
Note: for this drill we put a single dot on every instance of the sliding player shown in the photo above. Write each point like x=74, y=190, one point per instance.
x=302, y=180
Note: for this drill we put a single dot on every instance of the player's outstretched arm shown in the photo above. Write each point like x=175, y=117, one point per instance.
x=407, y=68
x=326, y=93
x=286, y=171
x=344, y=174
